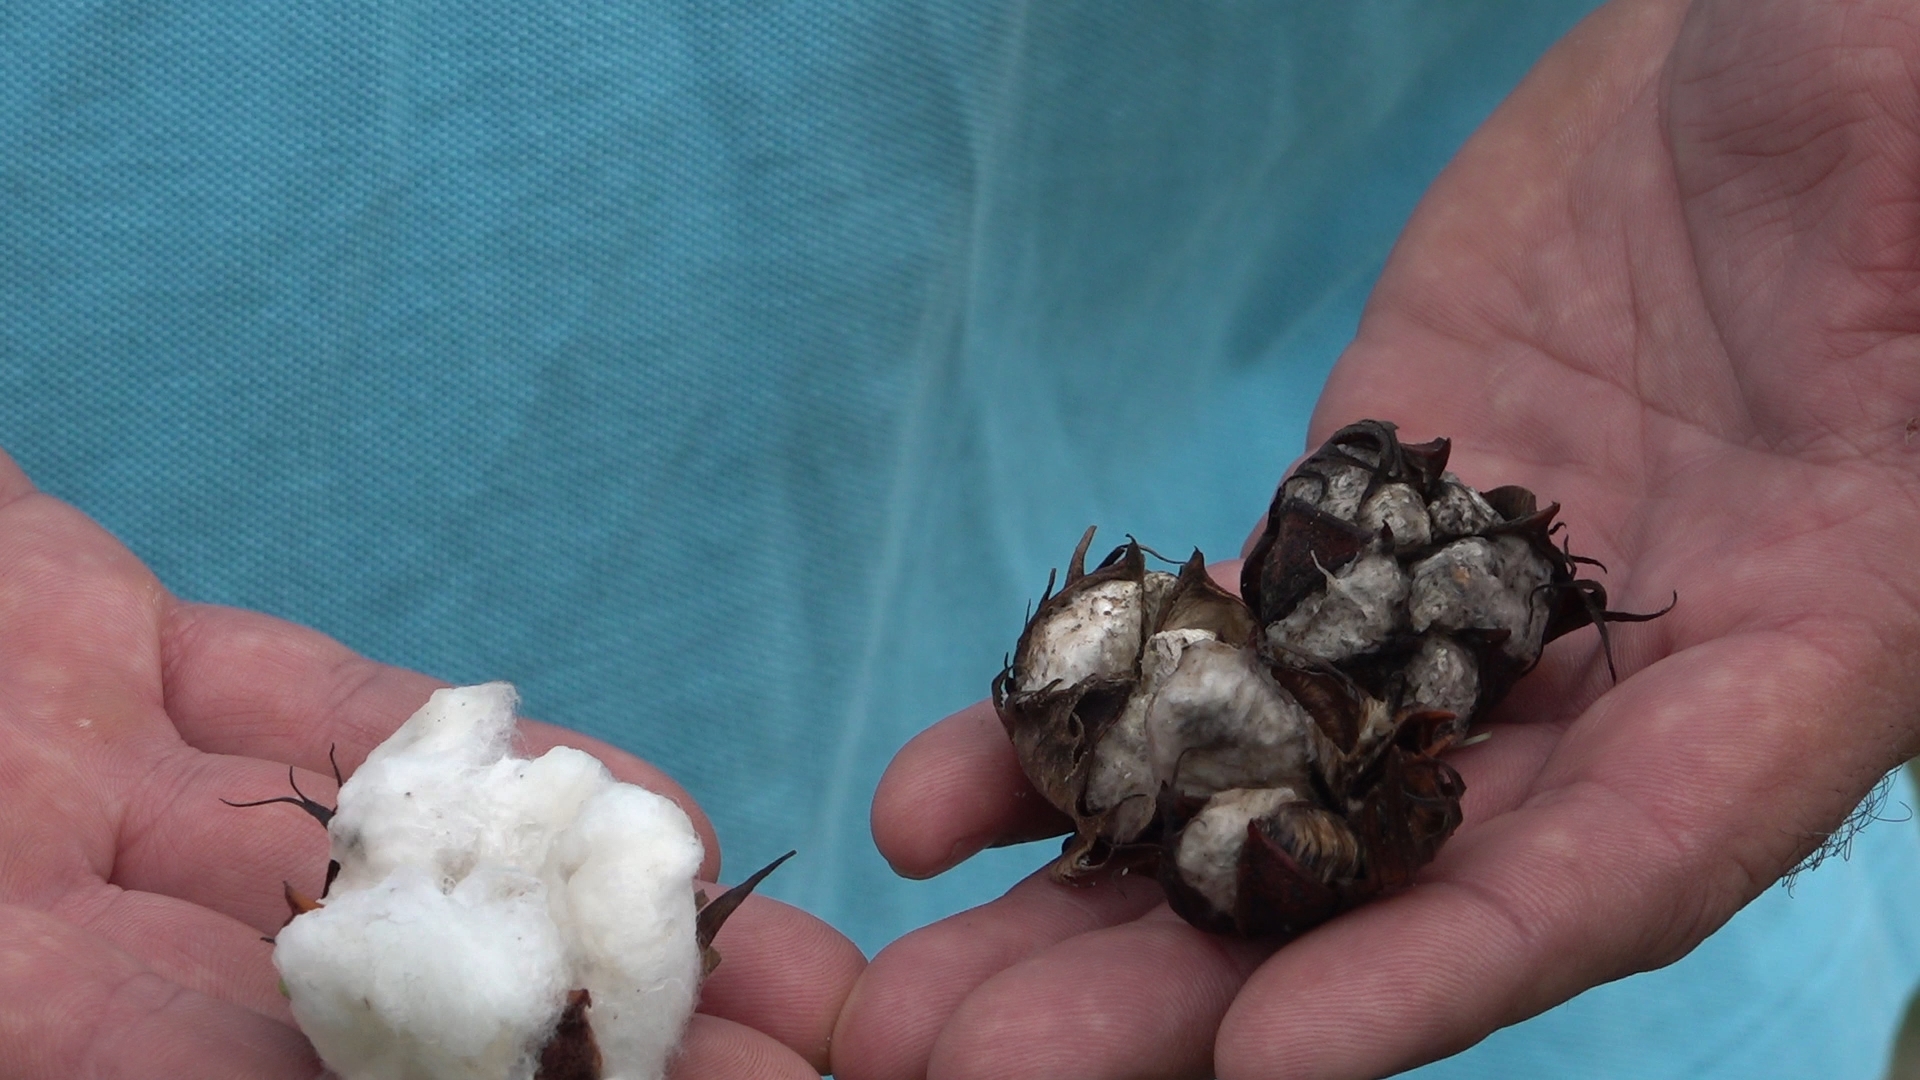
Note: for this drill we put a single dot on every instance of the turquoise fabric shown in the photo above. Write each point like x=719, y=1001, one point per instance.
x=729, y=375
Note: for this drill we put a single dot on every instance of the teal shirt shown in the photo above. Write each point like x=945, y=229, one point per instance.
x=729, y=376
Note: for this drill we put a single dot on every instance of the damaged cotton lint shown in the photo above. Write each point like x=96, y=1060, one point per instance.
x=1275, y=760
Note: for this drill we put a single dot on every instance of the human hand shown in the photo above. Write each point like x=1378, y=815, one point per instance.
x=133, y=902
x=1672, y=286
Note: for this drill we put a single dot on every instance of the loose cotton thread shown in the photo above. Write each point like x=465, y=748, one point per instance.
x=477, y=891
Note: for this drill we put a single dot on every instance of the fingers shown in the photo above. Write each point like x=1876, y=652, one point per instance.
x=1650, y=823
x=906, y=996
x=784, y=973
x=13, y=482
x=1139, y=999
x=72, y=1005
x=185, y=944
x=717, y=1049
x=78, y=619
x=242, y=683
x=238, y=682
x=1516, y=916
x=1226, y=573
x=180, y=837
x=954, y=789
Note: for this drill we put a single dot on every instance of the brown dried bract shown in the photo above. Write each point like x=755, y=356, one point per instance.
x=572, y=1053
x=713, y=914
x=1276, y=761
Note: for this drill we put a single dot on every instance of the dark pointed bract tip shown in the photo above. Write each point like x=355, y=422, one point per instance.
x=714, y=914
x=321, y=812
x=1077, y=569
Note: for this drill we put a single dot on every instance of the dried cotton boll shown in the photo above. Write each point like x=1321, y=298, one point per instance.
x=1442, y=676
x=1398, y=509
x=1208, y=853
x=1121, y=782
x=1458, y=510
x=1217, y=720
x=1358, y=611
x=479, y=893
x=1484, y=583
x=1097, y=634
x=1336, y=490
x=1276, y=759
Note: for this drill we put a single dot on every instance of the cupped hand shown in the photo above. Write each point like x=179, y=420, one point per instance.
x=1673, y=284
x=133, y=901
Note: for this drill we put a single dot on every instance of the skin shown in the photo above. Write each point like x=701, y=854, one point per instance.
x=132, y=902
x=1671, y=284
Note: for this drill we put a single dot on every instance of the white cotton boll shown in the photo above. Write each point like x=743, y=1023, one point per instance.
x=476, y=890
x=402, y=980
x=629, y=911
x=441, y=792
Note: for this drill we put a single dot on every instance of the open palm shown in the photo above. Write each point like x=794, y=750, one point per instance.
x=1673, y=284
x=133, y=902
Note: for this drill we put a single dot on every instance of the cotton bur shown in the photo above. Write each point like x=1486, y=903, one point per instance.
x=1276, y=759
x=491, y=917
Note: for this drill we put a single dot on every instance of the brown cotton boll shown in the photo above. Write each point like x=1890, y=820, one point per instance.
x=1293, y=557
x=1359, y=609
x=1399, y=511
x=1069, y=682
x=1094, y=633
x=1218, y=720
x=1275, y=761
x=1458, y=510
x=1121, y=784
x=1442, y=676
x=1197, y=701
x=1336, y=489
x=1208, y=851
x=1488, y=583
x=1266, y=863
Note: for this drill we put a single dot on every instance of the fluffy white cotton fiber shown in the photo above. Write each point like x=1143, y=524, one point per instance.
x=476, y=889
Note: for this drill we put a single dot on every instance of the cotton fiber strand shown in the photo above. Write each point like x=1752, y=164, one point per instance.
x=476, y=891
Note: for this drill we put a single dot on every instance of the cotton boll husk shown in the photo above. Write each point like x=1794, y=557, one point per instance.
x=476, y=890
